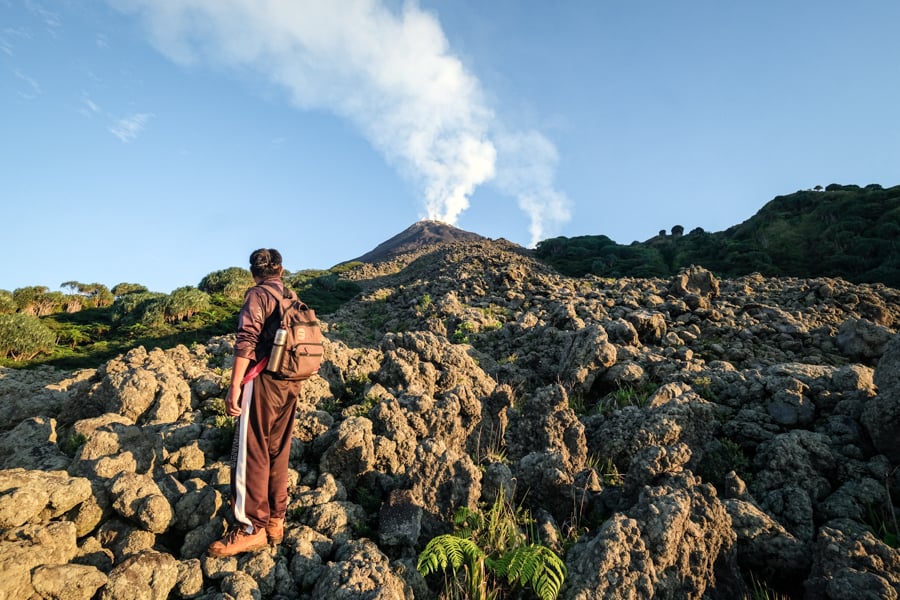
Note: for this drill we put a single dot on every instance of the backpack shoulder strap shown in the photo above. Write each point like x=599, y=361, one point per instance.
x=279, y=300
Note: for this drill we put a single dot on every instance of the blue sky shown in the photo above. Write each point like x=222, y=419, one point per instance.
x=155, y=142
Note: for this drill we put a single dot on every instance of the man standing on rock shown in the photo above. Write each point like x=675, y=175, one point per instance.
x=265, y=408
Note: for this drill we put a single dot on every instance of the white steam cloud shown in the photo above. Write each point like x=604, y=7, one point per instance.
x=391, y=73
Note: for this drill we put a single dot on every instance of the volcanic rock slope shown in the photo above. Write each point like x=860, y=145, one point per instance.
x=683, y=438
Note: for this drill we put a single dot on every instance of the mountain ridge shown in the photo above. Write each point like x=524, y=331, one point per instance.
x=839, y=231
x=421, y=234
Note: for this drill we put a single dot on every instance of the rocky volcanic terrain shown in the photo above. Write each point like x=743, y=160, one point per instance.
x=684, y=438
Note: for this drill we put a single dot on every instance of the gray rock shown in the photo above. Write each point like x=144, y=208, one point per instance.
x=862, y=339
x=849, y=562
x=400, y=520
x=190, y=579
x=38, y=496
x=799, y=458
x=353, y=452
x=149, y=575
x=240, y=586
x=613, y=563
x=138, y=498
x=32, y=444
x=765, y=546
x=881, y=414
x=261, y=567
x=22, y=549
x=544, y=422
x=124, y=539
x=694, y=281
x=651, y=327
x=197, y=506
x=361, y=570
x=114, y=445
x=197, y=540
x=39, y=392
x=67, y=582
x=336, y=520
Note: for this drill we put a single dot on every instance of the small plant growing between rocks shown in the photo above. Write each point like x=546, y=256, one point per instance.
x=723, y=456
x=486, y=549
x=424, y=303
x=883, y=525
x=627, y=395
x=509, y=359
x=609, y=474
x=462, y=333
x=703, y=386
x=578, y=404
x=222, y=425
x=760, y=590
x=72, y=443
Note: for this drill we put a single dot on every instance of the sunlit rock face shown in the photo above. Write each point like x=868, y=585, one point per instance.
x=667, y=437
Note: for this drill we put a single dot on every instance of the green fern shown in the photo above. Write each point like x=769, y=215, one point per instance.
x=448, y=550
x=533, y=566
x=459, y=553
x=493, y=544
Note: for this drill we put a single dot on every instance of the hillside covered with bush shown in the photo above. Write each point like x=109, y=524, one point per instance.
x=92, y=323
x=840, y=231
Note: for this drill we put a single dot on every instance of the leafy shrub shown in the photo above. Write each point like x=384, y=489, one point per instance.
x=232, y=283
x=38, y=300
x=22, y=337
x=845, y=231
x=324, y=291
x=92, y=295
x=132, y=308
x=7, y=303
x=122, y=289
x=183, y=303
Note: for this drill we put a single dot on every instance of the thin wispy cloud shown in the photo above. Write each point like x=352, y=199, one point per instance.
x=127, y=129
x=33, y=87
x=390, y=72
x=89, y=108
x=51, y=19
x=8, y=38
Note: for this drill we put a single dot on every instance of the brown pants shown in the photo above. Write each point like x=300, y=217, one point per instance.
x=262, y=448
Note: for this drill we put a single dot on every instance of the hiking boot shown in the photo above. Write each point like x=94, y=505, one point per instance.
x=237, y=541
x=275, y=530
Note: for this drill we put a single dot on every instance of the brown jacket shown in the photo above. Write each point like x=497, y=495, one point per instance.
x=255, y=330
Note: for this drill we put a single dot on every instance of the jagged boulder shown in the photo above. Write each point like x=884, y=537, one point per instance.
x=137, y=498
x=67, y=582
x=766, y=547
x=361, y=570
x=695, y=281
x=39, y=392
x=148, y=574
x=32, y=444
x=38, y=496
x=676, y=542
x=114, y=444
x=881, y=415
x=23, y=549
x=849, y=562
x=144, y=387
x=862, y=339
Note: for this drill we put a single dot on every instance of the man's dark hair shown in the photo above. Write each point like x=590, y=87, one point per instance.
x=265, y=262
